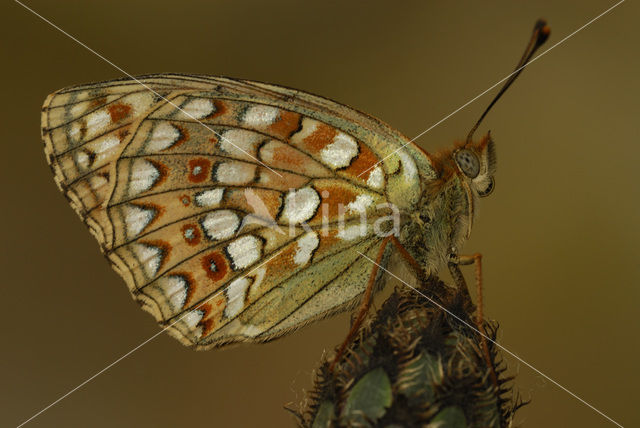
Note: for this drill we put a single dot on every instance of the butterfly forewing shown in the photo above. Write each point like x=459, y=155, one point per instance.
x=232, y=209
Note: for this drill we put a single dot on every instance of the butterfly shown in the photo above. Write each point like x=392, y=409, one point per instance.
x=239, y=211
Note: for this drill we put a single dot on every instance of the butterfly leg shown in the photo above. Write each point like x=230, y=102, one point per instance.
x=413, y=263
x=454, y=268
x=476, y=260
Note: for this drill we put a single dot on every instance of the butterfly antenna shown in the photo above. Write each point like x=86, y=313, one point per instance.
x=540, y=35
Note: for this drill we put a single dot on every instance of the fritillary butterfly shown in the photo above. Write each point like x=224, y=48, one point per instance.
x=238, y=211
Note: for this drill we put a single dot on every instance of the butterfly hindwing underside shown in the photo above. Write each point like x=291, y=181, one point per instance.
x=218, y=200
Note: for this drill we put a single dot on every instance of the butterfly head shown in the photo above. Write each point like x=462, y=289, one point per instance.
x=476, y=164
x=476, y=161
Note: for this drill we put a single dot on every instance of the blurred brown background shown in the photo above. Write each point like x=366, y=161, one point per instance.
x=560, y=234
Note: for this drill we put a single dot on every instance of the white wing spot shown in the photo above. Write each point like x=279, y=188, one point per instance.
x=175, y=287
x=300, y=205
x=309, y=126
x=260, y=115
x=163, y=136
x=97, y=122
x=340, y=152
x=107, y=143
x=236, y=294
x=244, y=251
x=143, y=176
x=82, y=159
x=102, y=149
x=137, y=218
x=376, y=178
x=74, y=131
x=409, y=168
x=306, y=245
x=352, y=232
x=209, y=198
x=150, y=258
x=198, y=108
x=220, y=224
x=360, y=204
x=192, y=318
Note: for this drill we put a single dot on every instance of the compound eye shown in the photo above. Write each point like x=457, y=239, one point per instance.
x=468, y=162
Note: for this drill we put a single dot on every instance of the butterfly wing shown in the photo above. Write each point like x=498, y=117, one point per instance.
x=220, y=201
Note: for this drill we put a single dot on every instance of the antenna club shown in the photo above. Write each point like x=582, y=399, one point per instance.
x=543, y=30
x=544, y=35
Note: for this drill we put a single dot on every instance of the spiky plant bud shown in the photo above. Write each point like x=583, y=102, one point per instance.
x=414, y=365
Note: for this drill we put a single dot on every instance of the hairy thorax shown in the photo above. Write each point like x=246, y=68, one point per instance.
x=438, y=226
